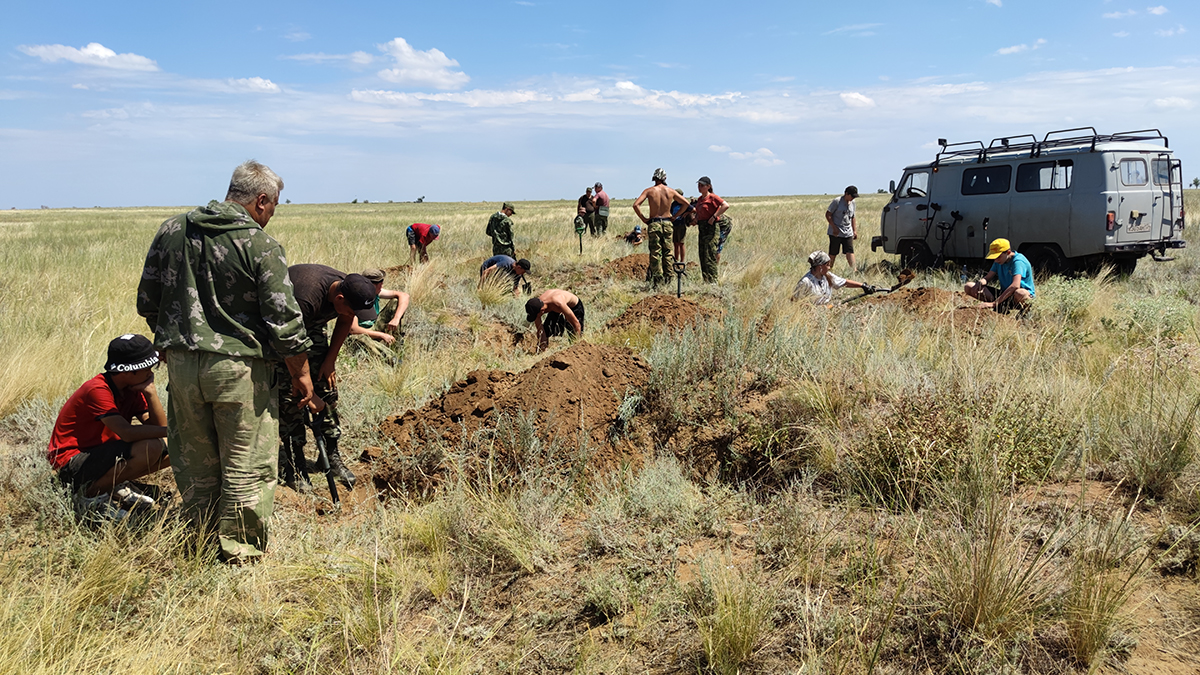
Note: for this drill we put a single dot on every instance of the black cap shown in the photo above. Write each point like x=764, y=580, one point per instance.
x=705, y=180
x=524, y=264
x=129, y=353
x=851, y=190
x=533, y=308
x=359, y=293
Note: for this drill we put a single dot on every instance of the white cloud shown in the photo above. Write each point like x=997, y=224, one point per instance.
x=1121, y=34
x=297, y=36
x=1174, y=103
x=79, y=86
x=475, y=98
x=1178, y=30
x=761, y=157
x=256, y=85
x=94, y=54
x=854, y=29
x=1017, y=49
x=523, y=3
x=856, y=100
x=356, y=58
x=997, y=3
x=415, y=68
x=1119, y=15
x=720, y=148
x=1157, y=11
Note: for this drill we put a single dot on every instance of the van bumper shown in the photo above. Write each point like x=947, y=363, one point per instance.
x=1145, y=246
x=877, y=242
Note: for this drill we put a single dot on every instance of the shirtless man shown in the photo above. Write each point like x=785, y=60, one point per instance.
x=659, y=225
x=564, y=312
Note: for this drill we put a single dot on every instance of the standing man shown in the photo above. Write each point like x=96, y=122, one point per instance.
x=659, y=226
x=499, y=228
x=681, y=218
x=323, y=294
x=710, y=212
x=563, y=311
x=420, y=236
x=586, y=210
x=843, y=228
x=216, y=293
x=600, y=218
x=1014, y=274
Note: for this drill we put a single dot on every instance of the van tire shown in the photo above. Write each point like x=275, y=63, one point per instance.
x=1047, y=259
x=1123, y=267
x=915, y=254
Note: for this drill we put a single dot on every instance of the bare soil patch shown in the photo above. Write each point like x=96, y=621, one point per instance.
x=921, y=300
x=571, y=394
x=661, y=311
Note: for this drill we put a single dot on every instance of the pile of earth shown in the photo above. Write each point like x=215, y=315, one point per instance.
x=573, y=393
x=665, y=311
x=917, y=300
x=631, y=267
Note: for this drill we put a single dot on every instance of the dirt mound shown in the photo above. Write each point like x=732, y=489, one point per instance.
x=572, y=393
x=631, y=267
x=661, y=310
x=917, y=300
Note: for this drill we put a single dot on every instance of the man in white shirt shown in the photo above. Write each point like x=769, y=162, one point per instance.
x=820, y=282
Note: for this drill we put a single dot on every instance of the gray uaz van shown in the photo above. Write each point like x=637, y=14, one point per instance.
x=1074, y=200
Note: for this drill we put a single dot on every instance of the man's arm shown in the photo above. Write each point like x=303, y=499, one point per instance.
x=1007, y=292
x=154, y=415
x=341, y=330
x=641, y=198
x=542, y=339
x=149, y=292
x=402, y=300
x=720, y=211
x=854, y=226
x=132, y=433
x=829, y=218
x=302, y=386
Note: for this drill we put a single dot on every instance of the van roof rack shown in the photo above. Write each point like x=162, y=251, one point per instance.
x=1028, y=144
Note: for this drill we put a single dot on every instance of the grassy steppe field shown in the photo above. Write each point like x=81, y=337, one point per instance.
x=893, y=490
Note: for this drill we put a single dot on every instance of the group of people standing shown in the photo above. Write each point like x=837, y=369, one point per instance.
x=670, y=214
x=591, y=213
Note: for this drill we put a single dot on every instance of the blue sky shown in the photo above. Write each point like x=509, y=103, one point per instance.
x=139, y=103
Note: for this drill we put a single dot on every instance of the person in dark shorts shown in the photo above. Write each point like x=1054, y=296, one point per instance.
x=420, y=236
x=94, y=446
x=843, y=228
x=563, y=311
x=681, y=218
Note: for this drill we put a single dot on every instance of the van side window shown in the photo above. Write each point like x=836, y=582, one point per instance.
x=1133, y=172
x=914, y=185
x=1163, y=172
x=987, y=180
x=1037, y=176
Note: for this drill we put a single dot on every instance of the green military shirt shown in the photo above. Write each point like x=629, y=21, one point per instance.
x=499, y=228
x=215, y=282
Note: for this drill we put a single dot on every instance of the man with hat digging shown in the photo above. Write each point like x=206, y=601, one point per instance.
x=500, y=229
x=1014, y=274
x=367, y=326
x=323, y=294
x=563, y=311
x=95, y=447
x=820, y=281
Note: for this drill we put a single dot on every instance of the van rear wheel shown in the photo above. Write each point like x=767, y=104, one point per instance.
x=1047, y=260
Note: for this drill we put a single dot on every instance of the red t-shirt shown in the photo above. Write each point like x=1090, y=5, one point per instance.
x=706, y=206
x=78, y=426
x=423, y=234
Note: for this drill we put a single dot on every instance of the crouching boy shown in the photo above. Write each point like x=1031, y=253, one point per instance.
x=94, y=446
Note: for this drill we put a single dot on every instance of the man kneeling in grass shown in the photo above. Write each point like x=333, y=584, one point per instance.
x=95, y=447
x=1014, y=274
x=820, y=281
x=502, y=264
x=563, y=310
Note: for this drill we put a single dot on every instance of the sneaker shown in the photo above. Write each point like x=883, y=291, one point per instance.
x=131, y=499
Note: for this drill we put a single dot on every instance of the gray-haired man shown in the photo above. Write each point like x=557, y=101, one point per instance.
x=215, y=292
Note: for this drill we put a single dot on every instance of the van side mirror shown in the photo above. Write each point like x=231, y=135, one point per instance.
x=892, y=187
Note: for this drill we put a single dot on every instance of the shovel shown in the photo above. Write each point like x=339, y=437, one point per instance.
x=903, y=279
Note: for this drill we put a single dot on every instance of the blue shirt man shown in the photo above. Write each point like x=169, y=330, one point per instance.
x=515, y=269
x=1013, y=273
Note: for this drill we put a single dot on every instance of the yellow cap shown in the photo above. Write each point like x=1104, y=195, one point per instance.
x=998, y=246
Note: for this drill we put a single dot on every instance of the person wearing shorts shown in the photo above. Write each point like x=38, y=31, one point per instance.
x=94, y=447
x=420, y=236
x=843, y=228
x=563, y=311
x=680, y=219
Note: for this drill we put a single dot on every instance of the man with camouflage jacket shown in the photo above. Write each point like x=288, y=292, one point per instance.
x=500, y=229
x=216, y=294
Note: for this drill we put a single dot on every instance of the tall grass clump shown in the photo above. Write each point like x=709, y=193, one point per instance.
x=1102, y=575
x=734, y=615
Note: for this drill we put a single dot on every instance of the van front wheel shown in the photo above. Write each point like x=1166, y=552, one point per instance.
x=915, y=254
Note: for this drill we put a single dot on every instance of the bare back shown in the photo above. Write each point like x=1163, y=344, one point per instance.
x=558, y=300
x=660, y=197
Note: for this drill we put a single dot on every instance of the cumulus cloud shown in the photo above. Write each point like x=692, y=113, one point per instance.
x=94, y=54
x=255, y=85
x=761, y=157
x=416, y=68
x=1174, y=103
x=1121, y=34
x=1177, y=30
x=1017, y=49
x=1157, y=11
x=720, y=148
x=475, y=98
x=855, y=30
x=355, y=58
x=997, y=3
x=1119, y=15
x=856, y=100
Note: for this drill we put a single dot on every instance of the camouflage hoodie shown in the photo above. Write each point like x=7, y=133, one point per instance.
x=215, y=282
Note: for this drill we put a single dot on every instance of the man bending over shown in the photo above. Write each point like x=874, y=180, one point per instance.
x=563, y=311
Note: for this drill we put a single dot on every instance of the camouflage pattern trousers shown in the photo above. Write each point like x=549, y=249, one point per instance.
x=221, y=429
x=662, y=257
x=291, y=417
x=710, y=246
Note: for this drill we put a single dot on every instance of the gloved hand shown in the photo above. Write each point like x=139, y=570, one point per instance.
x=869, y=289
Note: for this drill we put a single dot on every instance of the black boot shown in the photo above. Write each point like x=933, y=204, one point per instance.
x=293, y=472
x=338, y=466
